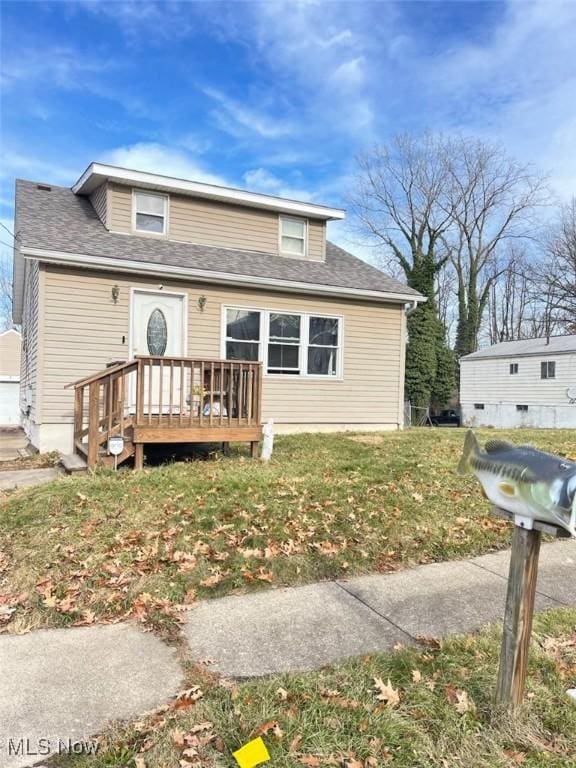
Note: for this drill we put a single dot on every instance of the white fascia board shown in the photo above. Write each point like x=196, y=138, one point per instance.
x=540, y=353
x=97, y=173
x=210, y=276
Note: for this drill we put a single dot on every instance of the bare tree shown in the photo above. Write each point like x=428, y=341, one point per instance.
x=494, y=202
x=558, y=273
x=401, y=200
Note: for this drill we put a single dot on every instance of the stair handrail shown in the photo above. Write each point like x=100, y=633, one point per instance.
x=102, y=374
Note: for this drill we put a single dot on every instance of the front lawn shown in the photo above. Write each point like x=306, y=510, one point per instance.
x=414, y=708
x=104, y=546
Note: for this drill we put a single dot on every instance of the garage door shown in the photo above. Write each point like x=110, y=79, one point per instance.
x=9, y=402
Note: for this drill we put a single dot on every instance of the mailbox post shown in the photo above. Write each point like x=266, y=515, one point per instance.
x=519, y=610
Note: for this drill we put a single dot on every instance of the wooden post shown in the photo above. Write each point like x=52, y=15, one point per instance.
x=139, y=456
x=518, y=617
x=93, y=423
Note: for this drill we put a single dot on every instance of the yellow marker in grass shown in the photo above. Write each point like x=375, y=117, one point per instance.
x=252, y=754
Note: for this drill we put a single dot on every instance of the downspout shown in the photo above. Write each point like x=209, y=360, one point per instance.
x=408, y=309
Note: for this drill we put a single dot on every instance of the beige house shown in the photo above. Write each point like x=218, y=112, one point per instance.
x=187, y=311
x=10, y=344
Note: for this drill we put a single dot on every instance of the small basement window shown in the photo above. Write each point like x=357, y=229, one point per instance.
x=478, y=406
x=521, y=407
x=548, y=370
x=150, y=213
x=293, y=236
x=513, y=368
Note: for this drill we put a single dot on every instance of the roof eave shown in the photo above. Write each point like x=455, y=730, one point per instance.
x=539, y=353
x=98, y=173
x=211, y=276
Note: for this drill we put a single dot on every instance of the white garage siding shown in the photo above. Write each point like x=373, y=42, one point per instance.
x=10, y=347
x=492, y=396
x=9, y=403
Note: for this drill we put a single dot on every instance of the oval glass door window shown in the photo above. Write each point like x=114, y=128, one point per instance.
x=157, y=333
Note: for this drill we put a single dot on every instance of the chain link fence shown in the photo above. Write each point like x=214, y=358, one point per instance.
x=415, y=416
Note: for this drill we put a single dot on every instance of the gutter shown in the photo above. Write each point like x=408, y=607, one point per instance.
x=210, y=276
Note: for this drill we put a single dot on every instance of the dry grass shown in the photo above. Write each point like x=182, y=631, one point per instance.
x=103, y=546
x=443, y=716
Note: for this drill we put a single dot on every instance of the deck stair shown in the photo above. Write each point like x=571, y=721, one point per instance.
x=166, y=400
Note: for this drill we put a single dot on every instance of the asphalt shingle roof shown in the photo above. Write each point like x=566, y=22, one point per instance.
x=59, y=220
x=541, y=346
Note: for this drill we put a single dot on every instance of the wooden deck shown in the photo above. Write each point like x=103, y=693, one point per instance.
x=166, y=400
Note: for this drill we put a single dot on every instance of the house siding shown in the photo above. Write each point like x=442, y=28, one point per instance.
x=84, y=330
x=31, y=344
x=208, y=222
x=489, y=382
x=99, y=200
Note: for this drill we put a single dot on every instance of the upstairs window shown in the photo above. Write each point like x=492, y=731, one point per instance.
x=548, y=370
x=150, y=213
x=293, y=236
x=513, y=368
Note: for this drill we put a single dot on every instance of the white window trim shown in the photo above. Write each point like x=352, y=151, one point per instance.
x=302, y=255
x=303, y=346
x=150, y=193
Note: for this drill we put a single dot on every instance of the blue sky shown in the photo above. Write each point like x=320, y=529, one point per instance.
x=279, y=97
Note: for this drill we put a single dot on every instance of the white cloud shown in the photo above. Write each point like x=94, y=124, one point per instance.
x=16, y=164
x=157, y=158
x=261, y=180
x=518, y=87
x=67, y=68
x=350, y=74
x=238, y=119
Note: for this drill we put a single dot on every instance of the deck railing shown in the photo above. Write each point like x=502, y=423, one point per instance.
x=187, y=392
x=167, y=399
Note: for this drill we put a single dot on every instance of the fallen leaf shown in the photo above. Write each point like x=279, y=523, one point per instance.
x=267, y=727
x=212, y=581
x=416, y=676
x=463, y=703
x=282, y=694
x=178, y=738
x=517, y=757
x=386, y=692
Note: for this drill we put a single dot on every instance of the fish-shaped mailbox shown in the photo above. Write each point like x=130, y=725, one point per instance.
x=524, y=481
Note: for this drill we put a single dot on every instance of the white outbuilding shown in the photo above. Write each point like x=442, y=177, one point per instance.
x=10, y=345
x=528, y=383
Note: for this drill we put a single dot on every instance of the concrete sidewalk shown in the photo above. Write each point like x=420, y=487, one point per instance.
x=306, y=627
x=58, y=685
x=66, y=684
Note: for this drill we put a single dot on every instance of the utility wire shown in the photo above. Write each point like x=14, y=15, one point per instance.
x=9, y=231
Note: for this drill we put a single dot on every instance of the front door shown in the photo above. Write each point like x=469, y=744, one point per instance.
x=158, y=329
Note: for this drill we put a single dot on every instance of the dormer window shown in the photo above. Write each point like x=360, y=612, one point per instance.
x=149, y=213
x=293, y=236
